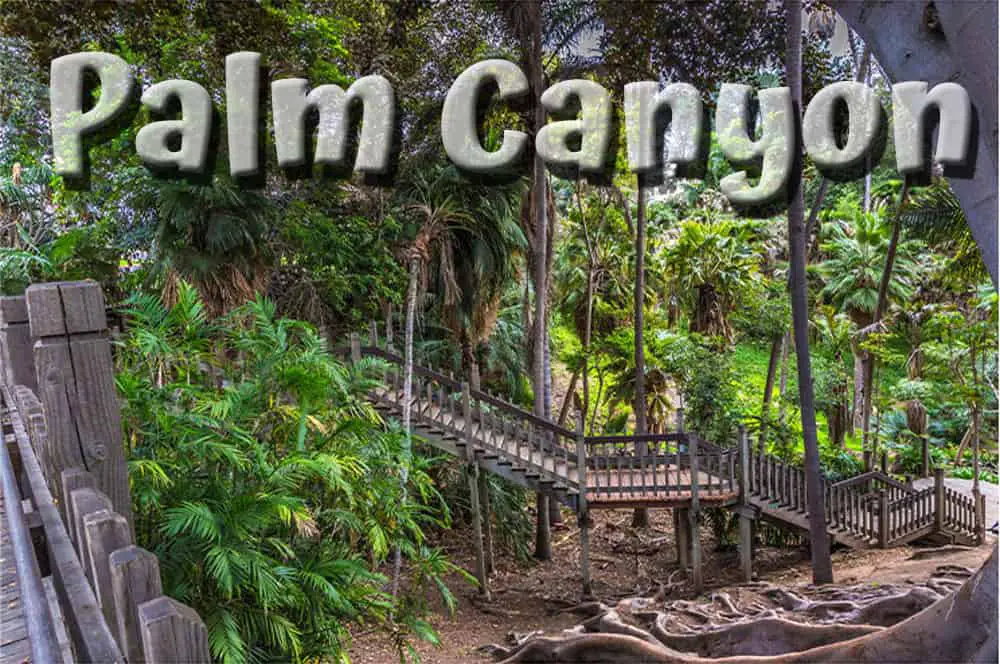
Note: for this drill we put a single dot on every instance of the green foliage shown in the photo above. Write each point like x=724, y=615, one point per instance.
x=265, y=483
x=857, y=244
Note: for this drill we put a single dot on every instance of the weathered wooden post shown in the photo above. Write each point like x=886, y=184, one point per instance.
x=885, y=463
x=484, y=504
x=172, y=632
x=472, y=468
x=76, y=385
x=694, y=516
x=84, y=503
x=582, y=517
x=17, y=366
x=355, y=347
x=103, y=533
x=939, y=499
x=746, y=531
x=883, y=519
x=979, y=505
x=72, y=479
x=681, y=523
x=135, y=579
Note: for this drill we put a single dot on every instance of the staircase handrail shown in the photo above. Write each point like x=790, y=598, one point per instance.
x=485, y=397
x=874, y=475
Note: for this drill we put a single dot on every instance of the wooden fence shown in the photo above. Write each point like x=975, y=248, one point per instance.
x=67, y=452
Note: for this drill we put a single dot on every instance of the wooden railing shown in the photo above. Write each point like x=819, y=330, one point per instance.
x=659, y=463
x=959, y=512
x=494, y=424
x=69, y=456
x=872, y=507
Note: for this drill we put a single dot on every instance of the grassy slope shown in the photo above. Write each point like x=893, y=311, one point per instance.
x=750, y=373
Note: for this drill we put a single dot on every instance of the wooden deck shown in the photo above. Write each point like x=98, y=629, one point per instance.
x=667, y=487
x=14, y=645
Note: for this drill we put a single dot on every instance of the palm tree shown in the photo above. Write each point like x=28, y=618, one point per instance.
x=856, y=247
x=485, y=261
x=818, y=542
x=213, y=236
x=834, y=331
x=469, y=231
x=712, y=264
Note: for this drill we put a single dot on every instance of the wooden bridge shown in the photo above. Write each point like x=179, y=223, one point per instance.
x=675, y=470
x=76, y=588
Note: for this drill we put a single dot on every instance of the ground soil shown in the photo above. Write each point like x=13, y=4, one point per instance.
x=529, y=596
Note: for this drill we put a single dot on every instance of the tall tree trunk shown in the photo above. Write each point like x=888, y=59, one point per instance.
x=640, y=517
x=404, y=472
x=588, y=323
x=880, y=307
x=786, y=343
x=587, y=332
x=765, y=410
x=857, y=401
x=543, y=536
x=818, y=539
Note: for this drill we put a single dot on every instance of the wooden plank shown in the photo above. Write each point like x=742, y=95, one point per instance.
x=135, y=579
x=62, y=636
x=172, y=632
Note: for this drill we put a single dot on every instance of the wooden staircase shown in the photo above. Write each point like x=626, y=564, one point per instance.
x=669, y=470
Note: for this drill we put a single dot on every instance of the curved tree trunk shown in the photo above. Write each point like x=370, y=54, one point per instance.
x=765, y=410
x=949, y=40
x=857, y=404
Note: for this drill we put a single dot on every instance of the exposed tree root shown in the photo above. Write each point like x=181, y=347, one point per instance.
x=944, y=620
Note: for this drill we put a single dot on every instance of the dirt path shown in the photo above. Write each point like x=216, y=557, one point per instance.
x=624, y=563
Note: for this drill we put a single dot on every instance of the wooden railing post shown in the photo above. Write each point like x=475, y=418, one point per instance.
x=883, y=519
x=746, y=530
x=17, y=366
x=103, y=533
x=135, y=579
x=939, y=499
x=473, y=472
x=172, y=632
x=744, y=453
x=582, y=517
x=76, y=385
x=355, y=347
x=979, y=505
x=694, y=515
